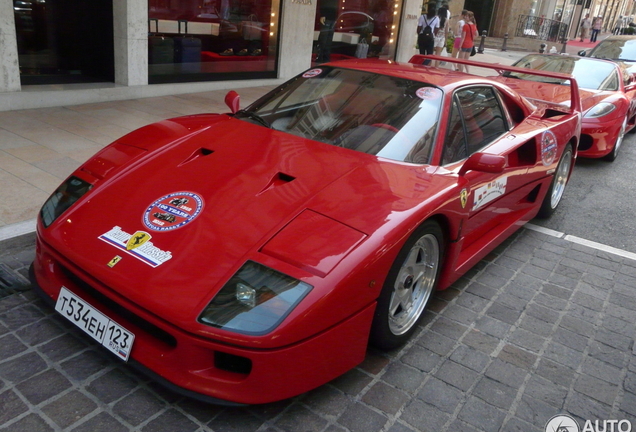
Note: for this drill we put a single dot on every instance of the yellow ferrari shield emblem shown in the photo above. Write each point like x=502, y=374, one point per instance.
x=137, y=239
x=463, y=197
x=114, y=261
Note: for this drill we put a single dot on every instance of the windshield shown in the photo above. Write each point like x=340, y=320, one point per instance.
x=376, y=114
x=589, y=74
x=621, y=49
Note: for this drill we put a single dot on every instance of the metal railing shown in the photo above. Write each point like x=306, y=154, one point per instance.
x=541, y=28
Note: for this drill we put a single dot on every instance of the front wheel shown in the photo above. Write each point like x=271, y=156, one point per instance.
x=617, y=145
x=557, y=186
x=408, y=287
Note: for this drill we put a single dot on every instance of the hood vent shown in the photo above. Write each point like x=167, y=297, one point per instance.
x=278, y=180
x=197, y=154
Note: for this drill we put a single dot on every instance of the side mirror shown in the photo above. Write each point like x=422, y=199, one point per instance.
x=484, y=162
x=233, y=101
x=582, y=53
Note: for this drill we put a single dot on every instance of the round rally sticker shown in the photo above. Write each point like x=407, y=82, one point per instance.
x=548, y=148
x=428, y=93
x=173, y=211
x=312, y=73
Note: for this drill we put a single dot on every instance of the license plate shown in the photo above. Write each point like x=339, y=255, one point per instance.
x=101, y=328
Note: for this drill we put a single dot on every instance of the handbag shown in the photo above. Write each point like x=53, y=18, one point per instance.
x=252, y=29
x=473, y=52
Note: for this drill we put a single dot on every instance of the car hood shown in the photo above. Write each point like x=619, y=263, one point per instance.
x=244, y=184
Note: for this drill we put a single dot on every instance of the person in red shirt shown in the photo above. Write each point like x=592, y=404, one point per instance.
x=469, y=34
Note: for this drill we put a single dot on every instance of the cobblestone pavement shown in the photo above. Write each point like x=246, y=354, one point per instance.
x=539, y=328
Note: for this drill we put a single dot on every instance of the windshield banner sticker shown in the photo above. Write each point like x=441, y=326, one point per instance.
x=548, y=147
x=312, y=73
x=173, y=211
x=489, y=192
x=137, y=245
x=428, y=93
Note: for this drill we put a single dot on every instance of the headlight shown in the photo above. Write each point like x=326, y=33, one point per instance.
x=65, y=196
x=254, y=301
x=600, y=110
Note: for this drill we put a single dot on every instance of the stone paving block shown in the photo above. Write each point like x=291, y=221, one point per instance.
x=512, y=302
x=421, y=358
x=619, y=326
x=536, y=325
x=473, y=302
x=19, y=317
x=535, y=411
x=584, y=407
x=496, y=393
x=112, y=386
x=503, y=313
x=385, y=398
x=63, y=347
x=436, y=343
x=543, y=313
x=30, y=423
x=527, y=340
x=570, y=339
x=457, y=375
x=563, y=281
x=481, y=414
x=170, y=421
x=43, y=386
x=481, y=341
x=359, y=418
x=536, y=270
x=613, y=339
x=555, y=372
x=506, y=373
x=517, y=425
x=87, y=363
x=399, y=427
x=403, y=377
x=39, y=332
x=449, y=328
x=103, y=422
x=578, y=325
x=69, y=408
x=22, y=367
x=470, y=357
x=240, y=420
x=517, y=356
x=441, y=395
x=492, y=326
x=544, y=390
x=10, y=346
x=563, y=354
x=352, y=382
x=588, y=301
x=11, y=406
x=325, y=400
x=597, y=389
x=460, y=426
x=481, y=290
x=424, y=417
x=374, y=362
x=138, y=407
x=601, y=370
x=557, y=291
x=628, y=403
x=460, y=314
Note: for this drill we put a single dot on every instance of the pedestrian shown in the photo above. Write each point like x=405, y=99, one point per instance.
x=469, y=34
x=328, y=11
x=586, y=25
x=458, y=35
x=618, y=26
x=596, y=28
x=441, y=34
x=427, y=25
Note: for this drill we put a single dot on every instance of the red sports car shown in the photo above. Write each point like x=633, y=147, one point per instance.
x=317, y=219
x=607, y=97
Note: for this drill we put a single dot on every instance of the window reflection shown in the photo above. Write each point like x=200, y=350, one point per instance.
x=191, y=39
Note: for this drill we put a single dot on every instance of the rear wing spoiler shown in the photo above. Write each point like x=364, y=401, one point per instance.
x=575, y=99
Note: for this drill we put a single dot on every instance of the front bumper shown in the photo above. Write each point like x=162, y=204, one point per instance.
x=598, y=140
x=202, y=368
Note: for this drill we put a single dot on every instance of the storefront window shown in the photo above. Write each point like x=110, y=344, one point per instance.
x=64, y=41
x=355, y=29
x=202, y=40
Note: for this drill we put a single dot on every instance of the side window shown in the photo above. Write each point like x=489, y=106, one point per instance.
x=483, y=116
x=455, y=142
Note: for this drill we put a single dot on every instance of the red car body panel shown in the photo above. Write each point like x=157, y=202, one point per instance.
x=331, y=217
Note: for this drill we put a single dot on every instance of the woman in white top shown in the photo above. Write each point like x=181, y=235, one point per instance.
x=441, y=34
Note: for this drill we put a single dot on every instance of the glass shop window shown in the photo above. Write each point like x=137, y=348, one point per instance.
x=355, y=29
x=204, y=40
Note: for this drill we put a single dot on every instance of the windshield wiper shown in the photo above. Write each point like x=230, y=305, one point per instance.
x=255, y=117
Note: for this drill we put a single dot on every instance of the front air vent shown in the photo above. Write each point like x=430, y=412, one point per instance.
x=279, y=179
x=196, y=155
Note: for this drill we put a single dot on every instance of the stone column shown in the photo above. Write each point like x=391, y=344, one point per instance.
x=130, y=25
x=9, y=67
x=296, y=38
x=405, y=49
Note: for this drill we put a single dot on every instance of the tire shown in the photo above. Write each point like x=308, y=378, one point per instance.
x=408, y=287
x=557, y=186
x=611, y=156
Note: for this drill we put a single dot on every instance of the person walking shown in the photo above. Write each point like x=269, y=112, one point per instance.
x=427, y=25
x=441, y=34
x=597, y=24
x=458, y=35
x=469, y=34
x=586, y=25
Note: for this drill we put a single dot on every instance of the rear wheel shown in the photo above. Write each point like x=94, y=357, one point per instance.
x=557, y=187
x=617, y=145
x=411, y=281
